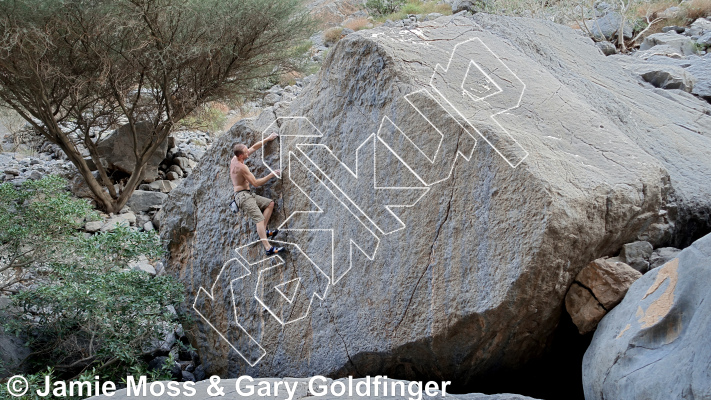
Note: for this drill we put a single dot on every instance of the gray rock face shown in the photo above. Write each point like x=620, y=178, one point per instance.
x=653, y=345
x=681, y=44
x=117, y=150
x=142, y=200
x=323, y=388
x=661, y=256
x=666, y=76
x=597, y=289
x=474, y=274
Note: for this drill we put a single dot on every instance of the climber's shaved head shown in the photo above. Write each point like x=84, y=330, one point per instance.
x=239, y=149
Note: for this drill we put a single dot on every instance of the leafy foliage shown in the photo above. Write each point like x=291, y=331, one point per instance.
x=383, y=7
x=206, y=117
x=76, y=69
x=86, y=311
x=38, y=222
x=87, y=317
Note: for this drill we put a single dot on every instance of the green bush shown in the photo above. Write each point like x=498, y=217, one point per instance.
x=38, y=222
x=383, y=7
x=86, y=310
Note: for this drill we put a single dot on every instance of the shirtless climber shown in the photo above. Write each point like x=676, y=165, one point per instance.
x=253, y=204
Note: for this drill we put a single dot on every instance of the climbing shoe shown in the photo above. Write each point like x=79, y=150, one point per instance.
x=271, y=234
x=274, y=250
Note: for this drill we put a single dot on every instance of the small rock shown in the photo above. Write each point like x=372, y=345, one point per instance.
x=698, y=27
x=182, y=162
x=606, y=28
x=667, y=77
x=469, y=5
x=661, y=256
x=93, y=226
x=115, y=222
x=12, y=171
x=148, y=226
x=142, y=264
x=704, y=40
x=671, y=12
x=607, y=48
x=188, y=377
x=158, y=364
x=636, y=255
x=199, y=373
x=172, y=176
x=596, y=290
x=128, y=216
x=162, y=185
x=141, y=200
x=271, y=98
x=35, y=175
x=176, y=169
x=677, y=29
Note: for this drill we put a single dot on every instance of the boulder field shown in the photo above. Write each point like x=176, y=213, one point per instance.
x=442, y=187
x=654, y=345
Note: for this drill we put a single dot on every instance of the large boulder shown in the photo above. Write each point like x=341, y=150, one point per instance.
x=117, y=149
x=654, y=345
x=471, y=277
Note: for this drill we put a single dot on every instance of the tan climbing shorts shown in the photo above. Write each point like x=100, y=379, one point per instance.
x=252, y=204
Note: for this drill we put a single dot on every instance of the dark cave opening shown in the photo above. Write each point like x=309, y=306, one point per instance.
x=555, y=375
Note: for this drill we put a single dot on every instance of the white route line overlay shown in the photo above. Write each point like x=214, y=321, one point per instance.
x=281, y=262
x=475, y=98
x=388, y=207
x=211, y=295
x=332, y=279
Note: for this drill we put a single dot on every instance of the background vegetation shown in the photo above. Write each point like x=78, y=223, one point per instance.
x=82, y=311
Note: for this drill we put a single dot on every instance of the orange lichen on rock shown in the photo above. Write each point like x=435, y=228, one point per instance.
x=661, y=306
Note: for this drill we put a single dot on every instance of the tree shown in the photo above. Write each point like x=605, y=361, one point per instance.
x=76, y=69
